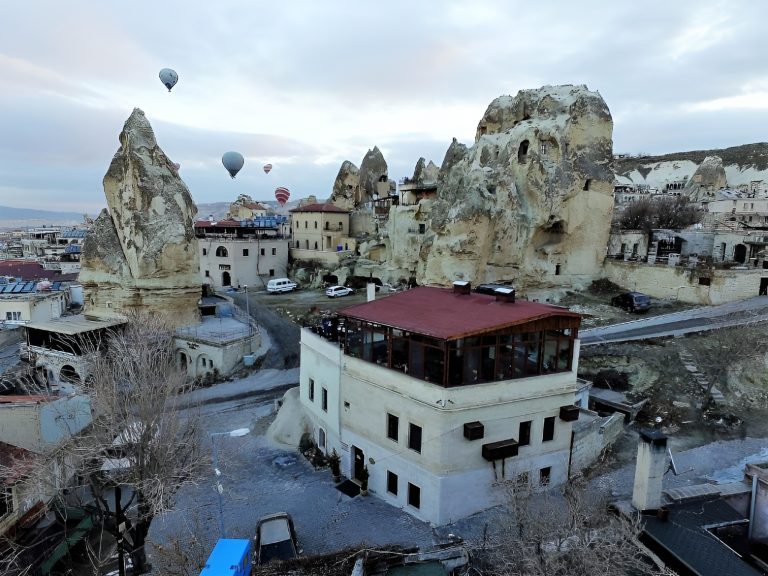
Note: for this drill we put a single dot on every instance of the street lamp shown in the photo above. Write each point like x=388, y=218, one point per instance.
x=247, y=308
x=219, y=488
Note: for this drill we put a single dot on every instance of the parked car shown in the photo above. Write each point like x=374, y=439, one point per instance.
x=491, y=288
x=632, y=301
x=337, y=291
x=275, y=538
x=277, y=285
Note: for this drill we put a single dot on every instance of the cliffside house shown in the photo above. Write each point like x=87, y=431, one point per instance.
x=444, y=397
x=242, y=252
x=318, y=229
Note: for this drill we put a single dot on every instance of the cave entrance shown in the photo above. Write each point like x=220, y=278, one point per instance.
x=522, y=152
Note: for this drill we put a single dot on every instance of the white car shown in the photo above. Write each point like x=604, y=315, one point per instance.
x=336, y=291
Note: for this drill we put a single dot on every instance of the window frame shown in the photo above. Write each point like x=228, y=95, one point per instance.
x=414, y=490
x=392, y=481
x=548, y=430
x=412, y=438
x=324, y=399
x=524, y=438
x=311, y=390
x=393, y=420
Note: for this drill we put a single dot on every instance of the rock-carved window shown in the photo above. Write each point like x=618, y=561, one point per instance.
x=522, y=152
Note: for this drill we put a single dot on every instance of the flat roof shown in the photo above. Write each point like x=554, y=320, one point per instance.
x=227, y=552
x=77, y=324
x=440, y=313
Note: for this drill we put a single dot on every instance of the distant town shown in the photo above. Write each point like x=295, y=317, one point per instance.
x=536, y=353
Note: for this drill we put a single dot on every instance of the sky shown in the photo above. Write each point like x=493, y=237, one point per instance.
x=305, y=85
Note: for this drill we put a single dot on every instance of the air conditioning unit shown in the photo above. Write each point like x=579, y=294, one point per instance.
x=474, y=430
x=500, y=450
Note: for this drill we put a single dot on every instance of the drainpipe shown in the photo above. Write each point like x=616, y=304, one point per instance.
x=752, y=505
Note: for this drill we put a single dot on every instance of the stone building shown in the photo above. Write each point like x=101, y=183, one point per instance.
x=439, y=393
x=320, y=232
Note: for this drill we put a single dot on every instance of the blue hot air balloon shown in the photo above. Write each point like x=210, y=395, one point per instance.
x=169, y=78
x=233, y=162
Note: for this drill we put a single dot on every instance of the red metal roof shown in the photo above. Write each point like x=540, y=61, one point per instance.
x=327, y=207
x=204, y=224
x=15, y=463
x=254, y=206
x=442, y=314
x=22, y=398
x=31, y=271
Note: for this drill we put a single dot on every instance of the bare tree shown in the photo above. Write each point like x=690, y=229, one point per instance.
x=151, y=448
x=564, y=533
x=668, y=213
x=639, y=215
x=139, y=449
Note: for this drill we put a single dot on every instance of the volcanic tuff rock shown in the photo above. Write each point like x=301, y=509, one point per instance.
x=373, y=170
x=530, y=201
x=346, y=188
x=142, y=252
x=745, y=167
x=707, y=180
x=425, y=174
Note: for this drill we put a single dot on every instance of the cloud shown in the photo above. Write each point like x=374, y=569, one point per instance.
x=306, y=85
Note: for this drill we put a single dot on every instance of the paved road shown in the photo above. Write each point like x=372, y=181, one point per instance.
x=679, y=323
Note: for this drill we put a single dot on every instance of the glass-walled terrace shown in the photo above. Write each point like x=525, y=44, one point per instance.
x=532, y=349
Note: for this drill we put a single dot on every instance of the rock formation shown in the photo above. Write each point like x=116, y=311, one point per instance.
x=530, y=201
x=141, y=252
x=346, y=188
x=425, y=174
x=707, y=180
x=745, y=168
x=373, y=173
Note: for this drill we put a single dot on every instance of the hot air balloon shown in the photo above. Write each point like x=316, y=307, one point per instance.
x=267, y=168
x=233, y=162
x=282, y=195
x=169, y=78
x=176, y=167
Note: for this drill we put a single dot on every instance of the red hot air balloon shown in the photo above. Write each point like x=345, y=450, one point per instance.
x=267, y=168
x=282, y=195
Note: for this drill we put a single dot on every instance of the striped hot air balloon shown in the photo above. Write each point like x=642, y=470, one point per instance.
x=267, y=168
x=282, y=195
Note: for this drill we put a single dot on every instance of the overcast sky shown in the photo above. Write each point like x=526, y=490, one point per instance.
x=306, y=85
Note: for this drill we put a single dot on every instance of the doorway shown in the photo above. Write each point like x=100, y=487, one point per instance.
x=226, y=279
x=740, y=253
x=358, y=462
x=763, y=287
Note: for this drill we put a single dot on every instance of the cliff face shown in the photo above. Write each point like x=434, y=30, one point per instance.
x=142, y=251
x=531, y=200
x=743, y=167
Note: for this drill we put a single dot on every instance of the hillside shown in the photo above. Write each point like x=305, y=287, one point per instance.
x=25, y=217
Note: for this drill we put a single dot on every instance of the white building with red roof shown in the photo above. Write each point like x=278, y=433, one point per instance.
x=445, y=397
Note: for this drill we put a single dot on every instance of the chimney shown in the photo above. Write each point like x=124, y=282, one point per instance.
x=649, y=470
x=505, y=295
x=462, y=287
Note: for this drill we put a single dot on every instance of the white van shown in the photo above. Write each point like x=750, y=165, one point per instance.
x=277, y=285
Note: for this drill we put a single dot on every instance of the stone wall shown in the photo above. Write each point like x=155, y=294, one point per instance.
x=683, y=284
x=591, y=439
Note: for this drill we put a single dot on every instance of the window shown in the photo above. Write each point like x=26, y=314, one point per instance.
x=557, y=269
x=315, y=245
x=414, y=437
x=311, y=390
x=274, y=251
x=549, y=429
x=587, y=182
x=422, y=228
x=414, y=495
x=205, y=251
x=262, y=252
x=221, y=252
x=327, y=225
x=13, y=315
x=207, y=273
x=522, y=152
x=524, y=435
x=391, y=482
x=315, y=224
x=393, y=427
x=544, y=475
x=306, y=224
x=271, y=272
x=325, y=400
x=543, y=147
x=245, y=251
x=321, y=438
x=297, y=243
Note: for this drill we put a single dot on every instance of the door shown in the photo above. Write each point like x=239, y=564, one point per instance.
x=359, y=462
x=226, y=280
x=763, y=287
x=740, y=253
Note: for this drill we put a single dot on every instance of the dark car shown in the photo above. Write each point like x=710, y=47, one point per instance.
x=491, y=288
x=275, y=538
x=632, y=301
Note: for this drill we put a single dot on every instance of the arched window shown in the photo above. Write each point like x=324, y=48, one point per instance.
x=221, y=252
x=297, y=243
x=315, y=245
x=522, y=152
